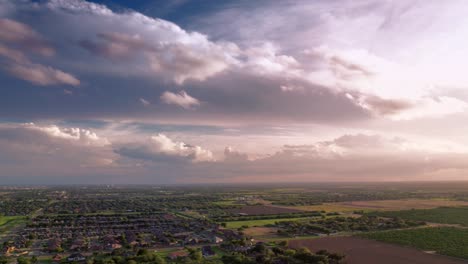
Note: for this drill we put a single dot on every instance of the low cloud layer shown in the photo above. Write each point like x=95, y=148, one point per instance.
x=60, y=151
x=31, y=150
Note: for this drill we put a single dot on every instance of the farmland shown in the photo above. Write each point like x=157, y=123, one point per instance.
x=363, y=251
x=380, y=205
x=448, y=241
x=443, y=215
x=388, y=205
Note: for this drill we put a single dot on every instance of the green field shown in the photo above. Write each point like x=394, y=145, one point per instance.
x=262, y=222
x=448, y=241
x=443, y=215
x=8, y=222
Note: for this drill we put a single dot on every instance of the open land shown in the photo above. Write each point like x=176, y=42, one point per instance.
x=364, y=251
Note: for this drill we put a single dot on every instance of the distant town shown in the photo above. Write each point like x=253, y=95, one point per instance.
x=230, y=224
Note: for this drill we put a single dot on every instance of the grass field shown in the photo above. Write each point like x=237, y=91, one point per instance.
x=448, y=241
x=8, y=222
x=443, y=215
x=263, y=222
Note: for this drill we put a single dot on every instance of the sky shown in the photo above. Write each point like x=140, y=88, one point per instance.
x=207, y=91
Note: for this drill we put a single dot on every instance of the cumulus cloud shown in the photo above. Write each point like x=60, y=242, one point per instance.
x=160, y=47
x=359, y=46
x=35, y=150
x=231, y=155
x=267, y=59
x=352, y=157
x=115, y=45
x=162, y=148
x=187, y=63
x=115, y=50
x=74, y=134
x=181, y=99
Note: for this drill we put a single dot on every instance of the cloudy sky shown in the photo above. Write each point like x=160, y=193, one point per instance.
x=186, y=91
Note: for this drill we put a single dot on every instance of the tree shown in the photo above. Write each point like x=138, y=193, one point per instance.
x=23, y=260
x=283, y=243
x=195, y=254
x=158, y=260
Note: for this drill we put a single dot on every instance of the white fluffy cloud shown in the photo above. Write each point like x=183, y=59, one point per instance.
x=400, y=52
x=181, y=99
x=93, y=40
x=354, y=157
x=159, y=147
x=74, y=134
x=35, y=150
x=152, y=46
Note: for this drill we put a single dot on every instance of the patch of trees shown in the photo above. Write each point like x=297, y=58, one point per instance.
x=260, y=253
x=317, y=198
x=342, y=224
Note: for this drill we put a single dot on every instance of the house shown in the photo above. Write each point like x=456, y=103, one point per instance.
x=76, y=257
x=207, y=251
x=229, y=234
x=116, y=245
x=78, y=244
x=8, y=250
x=56, y=258
x=131, y=238
x=216, y=239
x=54, y=245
